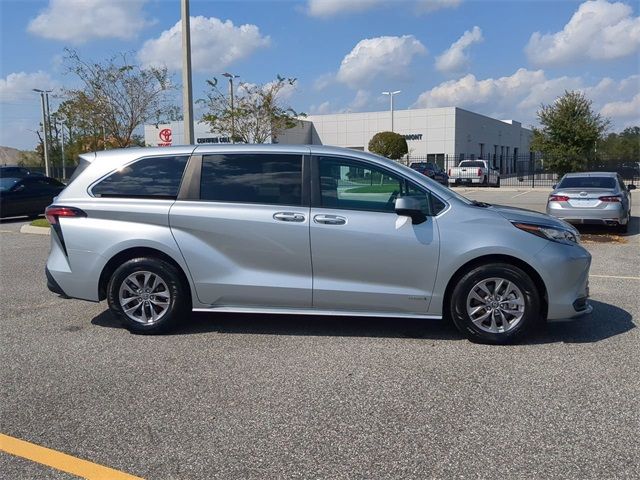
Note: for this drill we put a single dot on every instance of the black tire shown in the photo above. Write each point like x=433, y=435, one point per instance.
x=179, y=295
x=497, y=185
x=624, y=228
x=531, y=317
x=485, y=181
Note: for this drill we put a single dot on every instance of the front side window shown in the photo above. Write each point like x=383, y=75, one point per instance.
x=154, y=177
x=274, y=179
x=351, y=185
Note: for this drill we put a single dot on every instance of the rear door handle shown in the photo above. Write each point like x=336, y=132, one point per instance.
x=330, y=219
x=289, y=217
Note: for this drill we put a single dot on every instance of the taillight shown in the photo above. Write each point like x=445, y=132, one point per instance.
x=479, y=172
x=610, y=199
x=558, y=198
x=53, y=212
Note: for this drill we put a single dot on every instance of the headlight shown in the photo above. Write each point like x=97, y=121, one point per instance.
x=554, y=234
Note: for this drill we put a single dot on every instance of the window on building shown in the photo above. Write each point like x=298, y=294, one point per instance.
x=274, y=179
x=482, y=150
x=152, y=177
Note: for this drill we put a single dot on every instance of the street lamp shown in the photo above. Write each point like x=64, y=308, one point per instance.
x=187, y=95
x=44, y=98
x=391, y=94
x=231, y=76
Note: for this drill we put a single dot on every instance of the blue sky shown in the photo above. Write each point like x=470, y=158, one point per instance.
x=499, y=58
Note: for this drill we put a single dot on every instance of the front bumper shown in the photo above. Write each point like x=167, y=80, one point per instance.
x=566, y=275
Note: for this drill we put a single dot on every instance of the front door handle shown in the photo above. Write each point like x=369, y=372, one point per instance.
x=330, y=219
x=289, y=217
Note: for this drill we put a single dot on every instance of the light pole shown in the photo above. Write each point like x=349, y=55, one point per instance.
x=187, y=95
x=45, y=127
x=231, y=76
x=391, y=94
x=64, y=170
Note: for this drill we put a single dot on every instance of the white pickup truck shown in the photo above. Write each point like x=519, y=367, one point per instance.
x=474, y=172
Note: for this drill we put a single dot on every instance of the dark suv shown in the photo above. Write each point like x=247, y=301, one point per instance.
x=432, y=171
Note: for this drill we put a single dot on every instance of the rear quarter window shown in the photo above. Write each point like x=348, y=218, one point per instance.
x=153, y=177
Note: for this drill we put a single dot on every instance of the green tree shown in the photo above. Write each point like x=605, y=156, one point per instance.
x=568, y=133
x=621, y=146
x=258, y=114
x=389, y=144
x=116, y=96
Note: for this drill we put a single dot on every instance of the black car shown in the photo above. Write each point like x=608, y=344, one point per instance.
x=27, y=196
x=14, y=171
x=432, y=171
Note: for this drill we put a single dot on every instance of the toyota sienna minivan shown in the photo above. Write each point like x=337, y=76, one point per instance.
x=161, y=232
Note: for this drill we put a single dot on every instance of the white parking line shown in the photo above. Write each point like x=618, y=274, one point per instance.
x=523, y=193
x=615, y=276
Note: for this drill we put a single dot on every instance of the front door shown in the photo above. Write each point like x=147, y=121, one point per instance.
x=365, y=257
x=246, y=238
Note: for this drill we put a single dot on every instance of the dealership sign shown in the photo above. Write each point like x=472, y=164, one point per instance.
x=165, y=137
x=413, y=136
x=214, y=140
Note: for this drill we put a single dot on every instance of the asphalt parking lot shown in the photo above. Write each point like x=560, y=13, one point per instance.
x=260, y=396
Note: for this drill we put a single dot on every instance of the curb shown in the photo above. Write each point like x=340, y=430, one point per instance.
x=35, y=230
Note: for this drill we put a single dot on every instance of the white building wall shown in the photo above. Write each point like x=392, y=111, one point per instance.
x=438, y=133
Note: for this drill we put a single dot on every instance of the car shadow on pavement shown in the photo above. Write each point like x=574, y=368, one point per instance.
x=301, y=325
x=606, y=321
x=590, y=232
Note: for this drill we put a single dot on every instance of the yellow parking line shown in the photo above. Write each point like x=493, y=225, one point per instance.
x=60, y=461
x=615, y=276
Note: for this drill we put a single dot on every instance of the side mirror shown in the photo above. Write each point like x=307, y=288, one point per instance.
x=410, y=207
x=554, y=186
x=631, y=187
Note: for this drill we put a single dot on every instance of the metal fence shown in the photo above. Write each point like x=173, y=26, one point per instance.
x=530, y=170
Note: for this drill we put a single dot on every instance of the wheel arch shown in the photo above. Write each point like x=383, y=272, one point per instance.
x=497, y=258
x=135, y=252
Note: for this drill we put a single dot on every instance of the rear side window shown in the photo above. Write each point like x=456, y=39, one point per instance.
x=154, y=177
x=274, y=179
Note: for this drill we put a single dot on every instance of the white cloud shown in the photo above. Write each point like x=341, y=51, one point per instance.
x=79, y=21
x=598, y=30
x=214, y=45
x=427, y=6
x=19, y=86
x=322, y=109
x=323, y=81
x=623, y=109
x=456, y=59
x=387, y=57
x=520, y=95
x=329, y=8
x=361, y=100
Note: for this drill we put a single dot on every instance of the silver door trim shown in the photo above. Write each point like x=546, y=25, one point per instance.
x=330, y=219
x=316, y=311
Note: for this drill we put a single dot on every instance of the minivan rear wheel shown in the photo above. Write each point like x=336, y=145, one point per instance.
x=495, y=303
x=148, y=295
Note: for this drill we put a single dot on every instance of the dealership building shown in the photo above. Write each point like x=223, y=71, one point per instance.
x=433, y=134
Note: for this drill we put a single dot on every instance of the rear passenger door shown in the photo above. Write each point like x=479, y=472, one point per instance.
x=242, y=225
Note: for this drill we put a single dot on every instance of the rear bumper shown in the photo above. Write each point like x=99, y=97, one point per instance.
x=613, y=214
x=52, y=285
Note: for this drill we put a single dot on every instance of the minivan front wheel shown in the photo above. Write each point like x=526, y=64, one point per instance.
x=495, y=303
x=148, y=295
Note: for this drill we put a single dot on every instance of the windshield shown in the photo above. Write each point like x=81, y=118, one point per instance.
x=588, y=182
x=471, y=163
x=7, y=183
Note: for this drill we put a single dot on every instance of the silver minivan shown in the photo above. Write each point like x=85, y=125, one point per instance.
x=159, y=232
